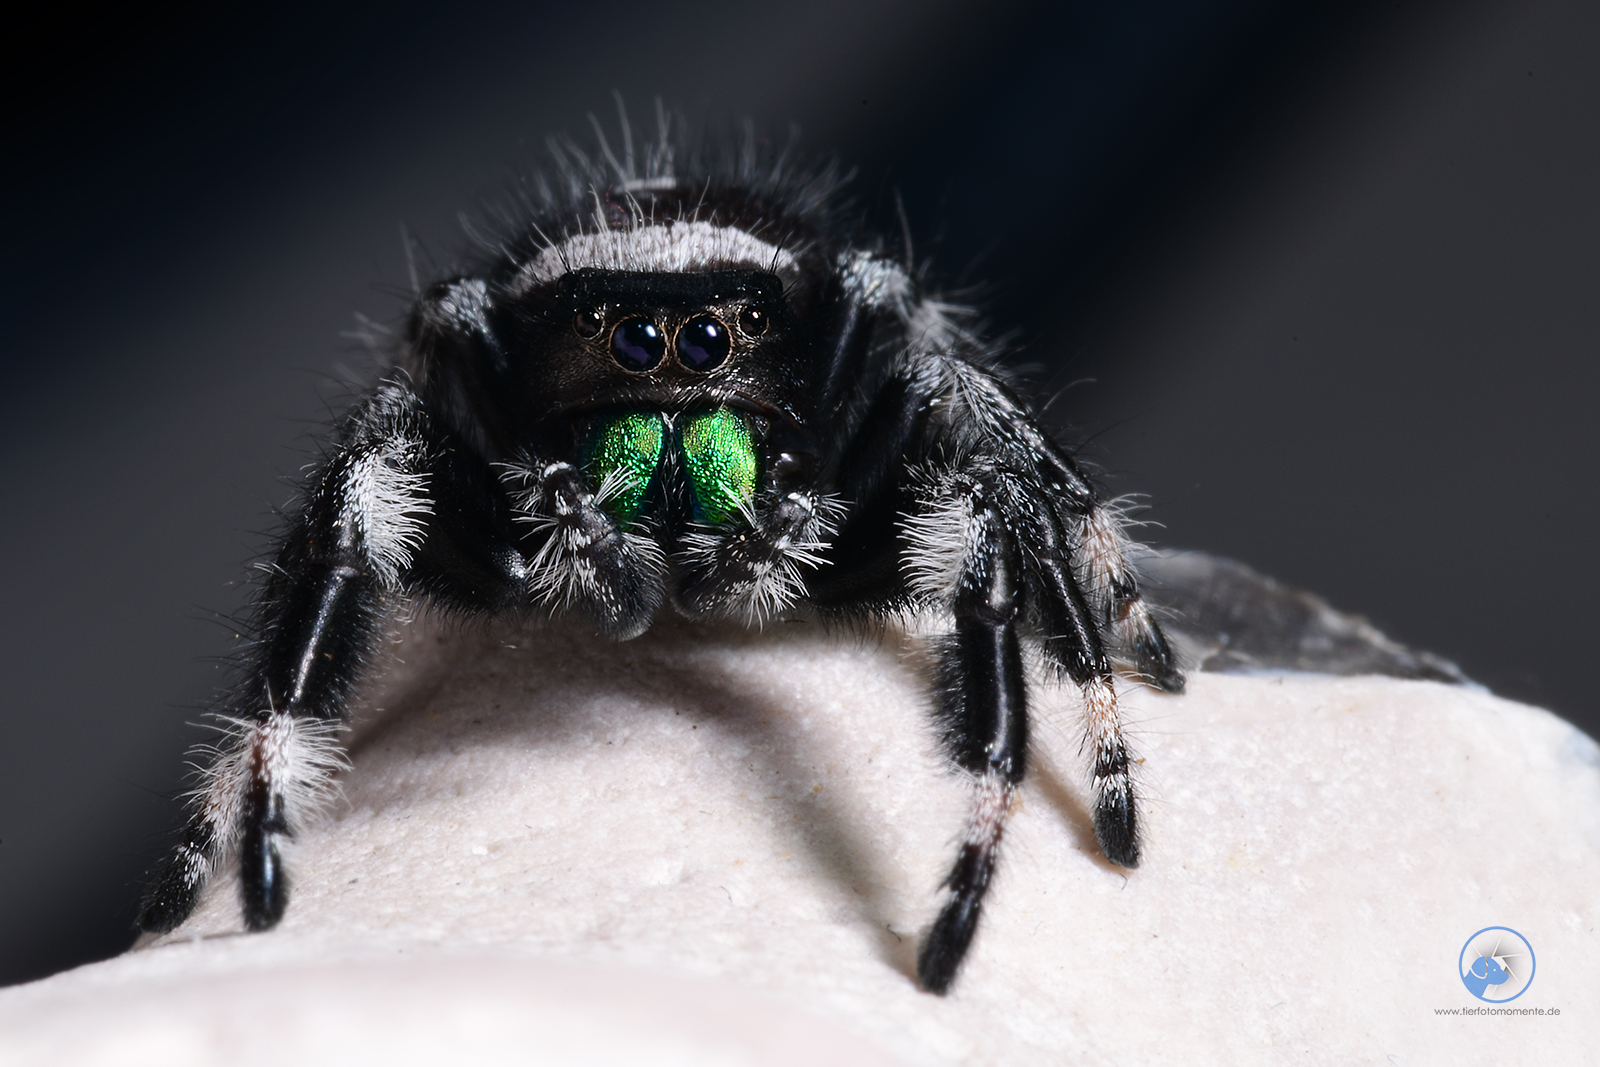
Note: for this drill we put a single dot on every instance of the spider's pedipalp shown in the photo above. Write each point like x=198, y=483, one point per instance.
x=755, y=568
x=587, y=561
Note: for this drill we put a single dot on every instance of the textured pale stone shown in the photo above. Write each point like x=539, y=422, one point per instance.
x=708, y=846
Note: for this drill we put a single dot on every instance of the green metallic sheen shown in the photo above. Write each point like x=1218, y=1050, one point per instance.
x=720, y=456
x=631, y=443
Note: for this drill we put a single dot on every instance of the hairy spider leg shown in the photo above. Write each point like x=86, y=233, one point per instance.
x=982, y=707
x=395, y=507
x=945, y=454
x=1102, y=552
x=998, y=455
x=1071, y=642
x=1054, y=505
x=995, y=422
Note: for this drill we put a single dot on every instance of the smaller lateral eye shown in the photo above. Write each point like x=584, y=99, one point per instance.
x=753, y=322
x=588, y=323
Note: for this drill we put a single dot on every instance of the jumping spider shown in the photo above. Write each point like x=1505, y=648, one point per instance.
x=697, y=384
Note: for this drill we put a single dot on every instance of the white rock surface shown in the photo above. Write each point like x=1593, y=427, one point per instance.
x=713, y=847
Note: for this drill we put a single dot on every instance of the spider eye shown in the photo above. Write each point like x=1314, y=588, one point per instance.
x=753, y=322
x=638, y=344
x=588, y=323
x=703, y=343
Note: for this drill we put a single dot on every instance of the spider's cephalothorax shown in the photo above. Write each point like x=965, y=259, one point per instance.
x=701, y=387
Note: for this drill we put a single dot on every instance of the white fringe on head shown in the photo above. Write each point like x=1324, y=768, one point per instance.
x=640, y=204
x=683, y=246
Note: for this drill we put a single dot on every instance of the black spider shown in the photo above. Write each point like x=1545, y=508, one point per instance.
x=694, y=384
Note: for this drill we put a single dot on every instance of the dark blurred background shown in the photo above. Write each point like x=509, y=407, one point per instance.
x=1320, y=279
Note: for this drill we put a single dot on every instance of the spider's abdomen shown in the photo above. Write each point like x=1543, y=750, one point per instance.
x=716, y=450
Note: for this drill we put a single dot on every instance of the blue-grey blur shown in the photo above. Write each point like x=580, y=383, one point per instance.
x=1319, y=278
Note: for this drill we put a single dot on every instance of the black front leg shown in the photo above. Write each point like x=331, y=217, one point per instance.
x=399, y=506
x=983, y=704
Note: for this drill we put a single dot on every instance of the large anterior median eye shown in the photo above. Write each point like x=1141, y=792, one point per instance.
x=638, y=344
x=703, y=343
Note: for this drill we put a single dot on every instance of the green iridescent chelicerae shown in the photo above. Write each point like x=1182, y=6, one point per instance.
x=630, y=443
x=719, y=456
x=721, y=459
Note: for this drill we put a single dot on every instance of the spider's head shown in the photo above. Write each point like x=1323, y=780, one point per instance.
x=669, y=341
x=670, y=318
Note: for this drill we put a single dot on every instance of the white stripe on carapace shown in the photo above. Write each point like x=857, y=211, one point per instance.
x=682, y=246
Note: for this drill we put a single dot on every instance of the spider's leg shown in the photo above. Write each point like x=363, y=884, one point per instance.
x=1071, y=641
x=1070, y=540
x=965, y=555
x=991, y=420
x=395, y=507
x=1103, y=564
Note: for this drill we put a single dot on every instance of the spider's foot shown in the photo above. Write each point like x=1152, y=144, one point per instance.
x=169, y=901
x=263, y=882
x=1116, y=825
x=171, y=898
x=947, y=941
x=1164, y=675
x=1152, y=652
x=264, y=891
